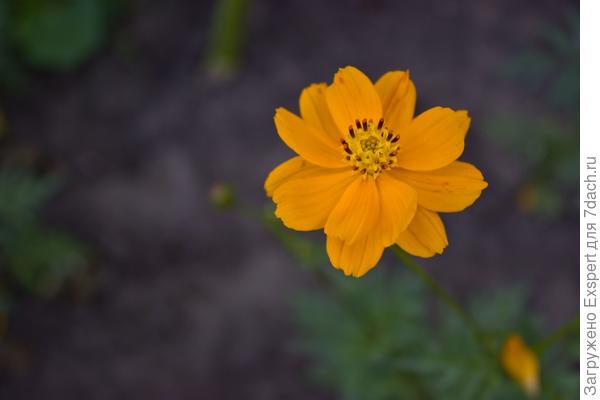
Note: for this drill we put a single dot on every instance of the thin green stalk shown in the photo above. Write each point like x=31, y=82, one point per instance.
x=446, y=297
x=559, y=334
x=226, y=37
x=301, y=249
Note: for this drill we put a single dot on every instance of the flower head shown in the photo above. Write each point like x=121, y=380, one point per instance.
x=370, y=173
x=521, y=364
x=222, y=195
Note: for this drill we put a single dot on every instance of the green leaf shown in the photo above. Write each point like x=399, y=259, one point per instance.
x=12, y=77
x=552, y=67
x=361, y=331
x=41, y=260
x=59, y=34
x=21, y=196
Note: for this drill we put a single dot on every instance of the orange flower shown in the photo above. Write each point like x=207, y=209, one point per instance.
x=521, y=363
x=370, y=173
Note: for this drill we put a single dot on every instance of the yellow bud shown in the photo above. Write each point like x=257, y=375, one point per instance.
x=521, y=364
x=222, y=195
x=528, y=198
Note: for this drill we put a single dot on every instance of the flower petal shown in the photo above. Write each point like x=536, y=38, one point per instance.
x=425, y=236
x=354, y=259
x=315, y=111
x=352, y=96
x=356, y=212
x=307, y=141
x=398, y=97
x=305, y=200
x=398, y=206
x=433, y=139
x=448, y=189
x=282, y=173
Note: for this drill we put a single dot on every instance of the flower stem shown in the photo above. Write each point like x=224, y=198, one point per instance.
x=446, y=297
x=559, y=334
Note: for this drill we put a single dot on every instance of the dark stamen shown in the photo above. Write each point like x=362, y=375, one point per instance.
x=357, y=122
x=351, y=131
x=389, y=136
x=358, y=158
x=347, y=150
x=343, y=141
x=380, y=124
x=364, y=124
x=396, y=138
x=355, y=168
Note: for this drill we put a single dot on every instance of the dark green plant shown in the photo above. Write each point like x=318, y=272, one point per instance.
x=39, y=259
x=545, y=142
x=551, y=68
x=226, y=38
x=380, y=337
x=51, y=35
x=376, y=338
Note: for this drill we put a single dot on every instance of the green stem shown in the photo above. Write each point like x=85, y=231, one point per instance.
x=446, y=297
x=559, y=334
x=301, y=249
x=226, y=37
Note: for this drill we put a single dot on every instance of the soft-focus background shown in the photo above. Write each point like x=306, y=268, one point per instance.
x=120, y=279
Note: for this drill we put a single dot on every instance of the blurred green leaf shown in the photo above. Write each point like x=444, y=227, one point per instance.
x=532, y=139
x=552, y=67
x=58, y=34
x=21, y=196
x=12, y=76
x=41, y=260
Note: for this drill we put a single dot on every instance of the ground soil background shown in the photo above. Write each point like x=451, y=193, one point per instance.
x=192, y=303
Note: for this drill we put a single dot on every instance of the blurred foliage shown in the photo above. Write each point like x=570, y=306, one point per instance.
x=548, y=149
x=374, y=338
x=226, y=38
x=49, y=35
x=380, y=338
x=52, y=35
x=37, y=258
x=552, y=68
x=545, y=142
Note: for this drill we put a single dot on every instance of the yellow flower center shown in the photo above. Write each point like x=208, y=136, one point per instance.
x=370, y=148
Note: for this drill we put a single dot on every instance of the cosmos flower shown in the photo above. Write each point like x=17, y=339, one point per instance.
x=521, y=364
x=368, y=172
